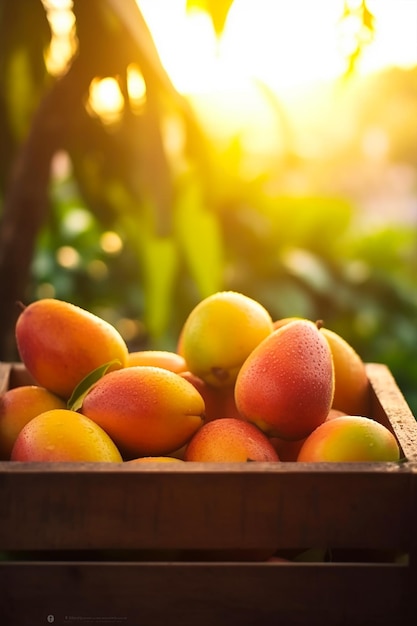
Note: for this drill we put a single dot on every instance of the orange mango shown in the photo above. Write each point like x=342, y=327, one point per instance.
x=159, y=358
x=350, y=438
x=17, y=407
x=61, y=343
x=147, y=410
x=230, y=440
x=352, y=388
x=64, y=435
x=218, y=401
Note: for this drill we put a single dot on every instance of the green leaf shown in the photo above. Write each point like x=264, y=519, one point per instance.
x=75, y=401
x=20, y=90
x=160, y=268
x=199, y=234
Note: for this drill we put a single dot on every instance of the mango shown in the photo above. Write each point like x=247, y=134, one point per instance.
x=218, y=401
x=351, y=384
x=17, y=407
x=64, y=435
x=350, y=438
x=159, y=358
x=219, y=333
x=287, y=450
x=229, y=440
x=60, y=343
x=286, y=384
x=146, y=410
x=352, y=389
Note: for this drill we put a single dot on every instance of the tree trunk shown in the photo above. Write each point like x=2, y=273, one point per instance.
x=26, y=200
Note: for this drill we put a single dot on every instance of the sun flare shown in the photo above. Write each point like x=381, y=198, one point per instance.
x=287, y=45
x=272, y=57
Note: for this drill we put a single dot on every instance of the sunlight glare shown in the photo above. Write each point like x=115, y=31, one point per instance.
x=285, y=44
x=350, y=34
x=77, y=221
x=136, y=87
x=68, y=257
x=274, y=58
x=106, y=99
x=395, y=43
x=63, y=42
x=111, y=243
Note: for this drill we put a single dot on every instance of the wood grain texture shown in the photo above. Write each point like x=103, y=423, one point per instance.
x=201, y=506
x=390, y=408
x=205, y=594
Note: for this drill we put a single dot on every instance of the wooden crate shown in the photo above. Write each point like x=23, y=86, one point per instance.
x=131, y=545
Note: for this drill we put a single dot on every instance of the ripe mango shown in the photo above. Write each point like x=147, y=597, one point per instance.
x=160, y=358
x=286, y=384
x=17, y=407
x=64, y=435
x=230, y=440
x=146, y=410
x=61, y=343
x=351, y=384
x=218, y=401
x=219, y=333
x=350, y=438
x=352, y=389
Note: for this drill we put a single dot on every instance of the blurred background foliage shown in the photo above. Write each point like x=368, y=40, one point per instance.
x=133, y=199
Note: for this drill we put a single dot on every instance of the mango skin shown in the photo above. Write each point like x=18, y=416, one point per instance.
x=147, y=410
x=219, y=333
x=352, y=389
x=159, y=358
x=350, y=438
x=61, y=435
x=218, y=401
x=60, y=343
x=230, y=440
x=17, y=407
x=286, y=385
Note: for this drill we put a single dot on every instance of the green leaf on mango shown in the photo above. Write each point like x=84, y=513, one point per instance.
x=76, y=400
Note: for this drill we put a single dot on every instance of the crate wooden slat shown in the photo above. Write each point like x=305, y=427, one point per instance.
x=72, y=512
x=204, y=507
x=205, y=594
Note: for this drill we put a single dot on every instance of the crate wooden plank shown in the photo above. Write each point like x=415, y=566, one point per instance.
x=391, y=409
x=13, y=375
x=204, y=505
x=5, y=369
x=204, y=594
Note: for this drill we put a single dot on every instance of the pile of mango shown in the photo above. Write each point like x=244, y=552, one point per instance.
x=239, y=387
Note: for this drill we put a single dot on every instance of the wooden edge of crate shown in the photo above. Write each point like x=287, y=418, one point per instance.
x=390, y=406
x=13, y=375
